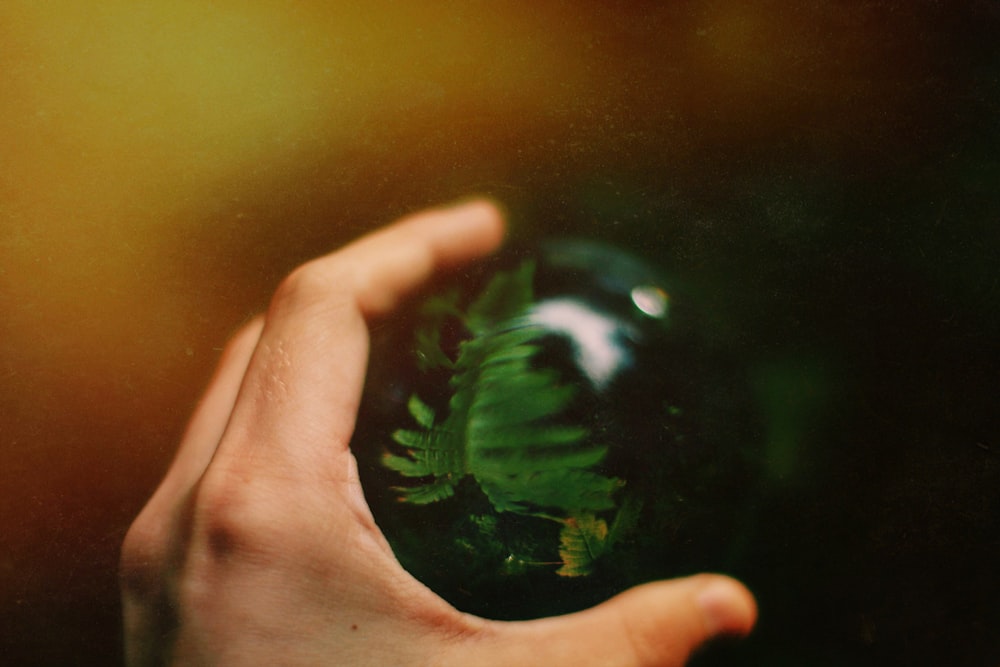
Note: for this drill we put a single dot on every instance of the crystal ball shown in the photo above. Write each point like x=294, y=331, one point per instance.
x=550, y=427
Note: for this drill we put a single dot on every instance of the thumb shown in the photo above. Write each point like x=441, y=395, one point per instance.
x=653, y=625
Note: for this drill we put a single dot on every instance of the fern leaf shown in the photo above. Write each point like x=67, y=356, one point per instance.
x=565, y=492
x=425, y=494
x=488, y=433
x=428, y=351
x=521, y=399
x=582, y=540
x=477, y=353
x=433, y=452
x=415, y=440
x=510, y=348
x=440, y=306
x=503, y=416
x=506, y=296
x=404, y=465
x=427, y=343
x=514, y=460
x=421, y=412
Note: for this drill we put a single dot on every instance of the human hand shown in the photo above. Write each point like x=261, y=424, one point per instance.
x=259, y=548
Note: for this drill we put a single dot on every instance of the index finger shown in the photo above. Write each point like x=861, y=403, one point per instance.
x=300, y=395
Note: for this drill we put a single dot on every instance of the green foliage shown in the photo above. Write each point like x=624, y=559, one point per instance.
x=505, y=427
x=507, y=296
x=564, y=491
x=586, y=537
x=435, y=311
x=582, y=541
x=430, y=451
x=626, y=519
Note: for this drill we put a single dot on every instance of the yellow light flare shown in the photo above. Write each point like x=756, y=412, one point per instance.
x=119, y=117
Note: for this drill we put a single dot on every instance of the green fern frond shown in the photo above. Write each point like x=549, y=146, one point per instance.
x=429, y=353
x=492, y=411
x=441, y=306
x=507, y=459
x=422, y=413
x=404, y=465
x=433, y=452
x=506, y=427
x=526, y=442
x=440, y=489
x=496, y=349
x=506, y=296
x=434, y=312
x=563, y=491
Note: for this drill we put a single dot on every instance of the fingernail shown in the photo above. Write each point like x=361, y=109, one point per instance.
x=724, y=607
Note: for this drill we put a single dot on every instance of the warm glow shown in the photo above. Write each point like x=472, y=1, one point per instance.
x=164, y=163
x=121, y=120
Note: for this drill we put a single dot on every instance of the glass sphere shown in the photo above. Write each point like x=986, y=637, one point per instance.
x=549, y=428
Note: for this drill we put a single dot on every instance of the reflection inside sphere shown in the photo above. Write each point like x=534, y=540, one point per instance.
x=597, y=338
x=548, y=430
x=651, y=300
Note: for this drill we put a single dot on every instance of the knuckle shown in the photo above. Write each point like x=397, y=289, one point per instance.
x=305, y=286
x=143, y=555
x=232, y=518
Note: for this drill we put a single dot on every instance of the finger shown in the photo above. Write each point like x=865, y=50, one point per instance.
x=201, y=438
x=298, y=404
x=657, y=624
x=213, y=412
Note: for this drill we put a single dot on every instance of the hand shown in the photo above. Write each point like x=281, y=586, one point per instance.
x=259, y=547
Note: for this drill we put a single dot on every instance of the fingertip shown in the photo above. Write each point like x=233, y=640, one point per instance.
x=668, y=620
x=482, y=219
x=454, y=233
x=658, y=623
x=726, y=606
x=486, y=204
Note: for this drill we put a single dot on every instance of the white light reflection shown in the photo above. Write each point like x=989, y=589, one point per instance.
x=594, y=336
x=651, y=300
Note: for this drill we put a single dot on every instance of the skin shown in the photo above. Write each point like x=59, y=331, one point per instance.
x=259, y=548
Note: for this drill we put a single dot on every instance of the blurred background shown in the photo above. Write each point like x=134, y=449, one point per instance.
x=824, y=174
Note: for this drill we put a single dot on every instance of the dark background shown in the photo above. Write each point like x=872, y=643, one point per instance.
x=824, y=175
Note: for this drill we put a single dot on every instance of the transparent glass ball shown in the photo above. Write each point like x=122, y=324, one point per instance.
x=549, y=428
